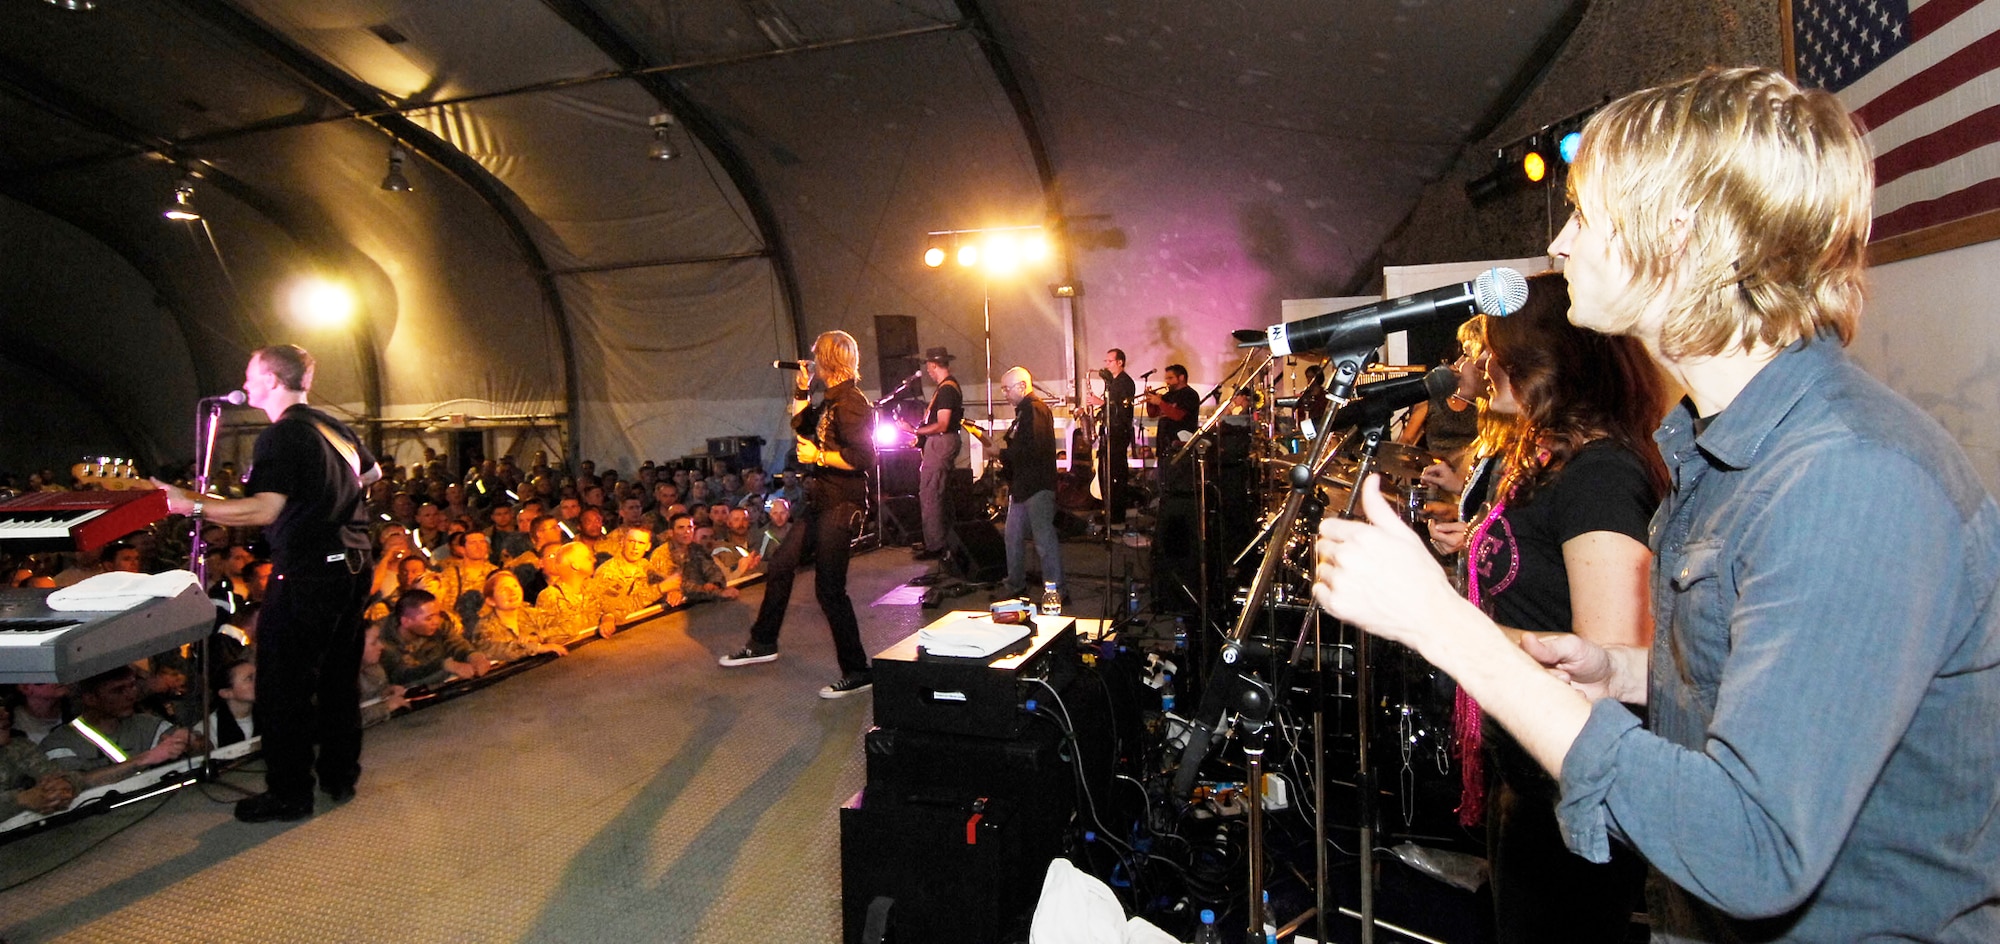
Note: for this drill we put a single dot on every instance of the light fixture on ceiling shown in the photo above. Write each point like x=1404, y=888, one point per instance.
x=80, y=6
x=662, y=148
x=181, y=207
x=394, y=181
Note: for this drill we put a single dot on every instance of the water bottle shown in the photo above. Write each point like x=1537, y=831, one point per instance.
x=1131, y=598
x=1270, y=923
x=1180, y=634
x=1208, y=933
x=1051, y=599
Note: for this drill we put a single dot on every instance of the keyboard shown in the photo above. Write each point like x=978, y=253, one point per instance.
x=38, y=644
x=76, y=521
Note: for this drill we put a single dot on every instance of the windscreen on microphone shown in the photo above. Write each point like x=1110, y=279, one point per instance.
x=234, y=397
x=791, y=365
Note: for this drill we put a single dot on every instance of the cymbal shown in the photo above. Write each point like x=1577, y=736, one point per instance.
x=1396, y=460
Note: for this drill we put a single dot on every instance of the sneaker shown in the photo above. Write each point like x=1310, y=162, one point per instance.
x=849, y=685
x=748, y=655
x=265, y=808
x=339, y=794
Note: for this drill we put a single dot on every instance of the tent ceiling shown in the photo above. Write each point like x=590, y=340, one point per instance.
x=1208, y=160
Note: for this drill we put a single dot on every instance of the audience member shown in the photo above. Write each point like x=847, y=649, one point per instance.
x=421, y=648
x=506, y=628
x=459, y=581
x=29, y=780
x=701, y=578
x=110, y=739
x=232, y=720
x=380, y=698
x=41, y=709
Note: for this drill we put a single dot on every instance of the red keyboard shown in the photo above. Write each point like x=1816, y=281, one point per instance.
x=76, y=521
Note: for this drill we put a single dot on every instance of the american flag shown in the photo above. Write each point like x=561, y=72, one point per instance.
x=1923, y=79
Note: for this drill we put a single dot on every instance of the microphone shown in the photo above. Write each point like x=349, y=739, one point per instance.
x=1497, y=291
x=1380, y=400
x=1149, y=373
x=791, y=365
x=235, y=397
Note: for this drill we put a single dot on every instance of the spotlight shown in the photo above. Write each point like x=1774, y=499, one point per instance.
x=1566, y=146
x=1035, y=248
x=317, y=301
x=181, y=208
x=968, y=255
x=1533, y=164
x=1002, y=252
x=885, y=434
x=394, y=181
x=934, y=256
x=77, y=6
x=662, y=148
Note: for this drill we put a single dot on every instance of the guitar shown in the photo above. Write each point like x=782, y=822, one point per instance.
x=990, y=440
x=117, y=475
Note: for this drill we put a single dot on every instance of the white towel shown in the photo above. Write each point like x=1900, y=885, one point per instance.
x=974, y=637
x=121, y=591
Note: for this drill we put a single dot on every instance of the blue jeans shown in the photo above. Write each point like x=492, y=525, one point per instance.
x=1037, y=512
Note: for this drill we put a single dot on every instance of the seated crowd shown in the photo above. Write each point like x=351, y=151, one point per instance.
x=472, y=572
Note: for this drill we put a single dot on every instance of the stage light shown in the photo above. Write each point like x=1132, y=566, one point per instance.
x=1566, y=146
x=1002, y=252
x=181, y=208
x=662, y=148
x=885, y=434
x=317, y=301
x=77, y=6
x=968, y=255
x=1533, y=165
x=394, y=181
x=934, y=256
x=1035, y=248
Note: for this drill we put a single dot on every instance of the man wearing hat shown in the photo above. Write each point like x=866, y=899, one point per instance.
x=939, y=440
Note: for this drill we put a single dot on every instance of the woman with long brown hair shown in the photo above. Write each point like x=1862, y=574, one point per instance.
x=1562, y=548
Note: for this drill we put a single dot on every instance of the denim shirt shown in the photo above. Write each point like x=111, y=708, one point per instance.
x=1822, y=759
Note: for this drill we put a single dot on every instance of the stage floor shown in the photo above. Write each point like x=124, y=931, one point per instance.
x=633, y=791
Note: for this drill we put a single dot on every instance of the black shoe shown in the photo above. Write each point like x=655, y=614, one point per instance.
x=748, y=655
x=340, y=794
x=265, y=808
x=853, y=684
x=927, y=555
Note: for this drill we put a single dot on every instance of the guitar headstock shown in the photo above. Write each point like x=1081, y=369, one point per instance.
x=108, y=473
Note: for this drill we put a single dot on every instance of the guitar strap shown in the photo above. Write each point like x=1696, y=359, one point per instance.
x=339, y=444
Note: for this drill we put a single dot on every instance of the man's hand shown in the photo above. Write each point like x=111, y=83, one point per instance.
x=180, y=501
x=173, y=745
x=750, y=562
x=674, y=597
x=728, y=592
x=480, y=663
x=1378, y=575
x=606, y=626
x=48, y=795
x=1598, y=672
x=808, y=451
x=394, y=699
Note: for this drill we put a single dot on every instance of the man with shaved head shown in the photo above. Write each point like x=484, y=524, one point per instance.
x=1030, y=458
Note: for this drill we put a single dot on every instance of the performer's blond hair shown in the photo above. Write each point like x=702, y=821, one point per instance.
x=837, y=356
x=1740, y=198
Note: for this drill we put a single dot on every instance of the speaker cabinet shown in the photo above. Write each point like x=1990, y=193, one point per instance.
x=978, y=553
x=902, y=521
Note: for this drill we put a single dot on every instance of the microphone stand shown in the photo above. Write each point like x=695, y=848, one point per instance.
x=207, y=419
x=1237, y=686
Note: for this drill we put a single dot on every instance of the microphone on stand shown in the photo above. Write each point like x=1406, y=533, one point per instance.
x=791, y=365
x=1149, y=373
x=1497, y=291
x=233, y=397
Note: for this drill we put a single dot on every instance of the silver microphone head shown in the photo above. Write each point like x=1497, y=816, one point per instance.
x=1500, y=291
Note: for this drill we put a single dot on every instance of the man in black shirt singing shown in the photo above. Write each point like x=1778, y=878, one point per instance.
x=307, y=480
x=1180, y=412
x=939, y=441
x=1030, y=456
x=835, y=446
x=1117, y=442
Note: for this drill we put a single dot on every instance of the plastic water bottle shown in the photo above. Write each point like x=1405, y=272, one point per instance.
x=1208, y=933
x=1131, y=598
x=1180, y=634
x=1051, y=599
x=1270, y=923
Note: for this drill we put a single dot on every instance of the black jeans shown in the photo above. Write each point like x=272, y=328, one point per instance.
x=830, y=533
x=308, y=678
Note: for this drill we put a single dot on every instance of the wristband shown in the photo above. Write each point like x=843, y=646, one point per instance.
x=196, y=510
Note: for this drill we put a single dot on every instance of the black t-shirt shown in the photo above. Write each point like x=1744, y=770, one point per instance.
x=1519, y=564
x=1521, y=572
x=947, y=399
x=325, y=512
x=1187, y=403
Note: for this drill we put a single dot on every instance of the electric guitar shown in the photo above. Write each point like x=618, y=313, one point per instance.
x=117, y=475
x=994, y=443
